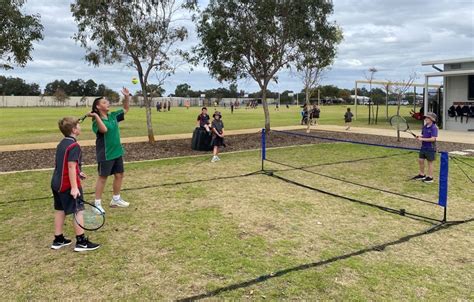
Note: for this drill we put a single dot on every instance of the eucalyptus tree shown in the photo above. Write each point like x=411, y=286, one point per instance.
x=18, y=31
x=142, y=34
x=255, y=39
x=316, y=53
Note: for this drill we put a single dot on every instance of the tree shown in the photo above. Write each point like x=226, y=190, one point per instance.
x=17, y=34
x=76, y=88
x=17, y=86
x=182, y=90
x=399, y=88
x=90, y=88
x=52, y=87
x=253, y=39
x=318, y=50
x=233, y=90
x=139, y=33
x=60, y=96
x=370, y=78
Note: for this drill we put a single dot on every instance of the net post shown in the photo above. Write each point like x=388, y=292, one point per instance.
x=263, y=148
x=443, y=183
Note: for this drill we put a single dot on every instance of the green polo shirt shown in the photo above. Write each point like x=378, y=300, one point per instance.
x=108, y=145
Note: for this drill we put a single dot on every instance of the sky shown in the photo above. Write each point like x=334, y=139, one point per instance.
x=394, y=36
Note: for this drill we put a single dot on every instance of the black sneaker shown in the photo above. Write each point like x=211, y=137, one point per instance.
x=428, y=179
x=57, y=244
x=419, y=177
x=86, y=245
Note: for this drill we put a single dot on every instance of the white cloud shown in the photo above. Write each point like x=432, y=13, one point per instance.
x=393, y=36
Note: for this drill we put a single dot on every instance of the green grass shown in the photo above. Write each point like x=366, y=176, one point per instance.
x=35, y=125
x=177, y=241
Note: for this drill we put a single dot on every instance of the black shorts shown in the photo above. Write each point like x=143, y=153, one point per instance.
x=217, y=141
x=110, y=167
x=429, y=155
x=63, y=201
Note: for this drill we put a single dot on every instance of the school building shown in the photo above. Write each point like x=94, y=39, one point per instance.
x=456, y=108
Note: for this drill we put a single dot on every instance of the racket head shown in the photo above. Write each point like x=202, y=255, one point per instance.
x=398, y=123
x=92, y=217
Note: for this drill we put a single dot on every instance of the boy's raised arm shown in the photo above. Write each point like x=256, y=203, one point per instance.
x=126, y=100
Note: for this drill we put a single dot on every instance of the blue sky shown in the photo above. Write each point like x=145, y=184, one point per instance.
x=392, y=36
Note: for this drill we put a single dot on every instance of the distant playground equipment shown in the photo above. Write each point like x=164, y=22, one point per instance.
x=434, y=97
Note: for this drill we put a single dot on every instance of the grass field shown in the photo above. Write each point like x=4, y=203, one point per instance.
x=251, y=237
x=34, y=125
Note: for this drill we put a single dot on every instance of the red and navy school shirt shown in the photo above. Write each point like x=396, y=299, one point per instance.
x=68, y=150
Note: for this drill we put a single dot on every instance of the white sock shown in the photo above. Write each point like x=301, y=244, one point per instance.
x=116, y=197
x=98, y=201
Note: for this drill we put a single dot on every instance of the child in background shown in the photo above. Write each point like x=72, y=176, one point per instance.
x=203, y=120
x=348, y=118
x=66, y=186
x=217, y=135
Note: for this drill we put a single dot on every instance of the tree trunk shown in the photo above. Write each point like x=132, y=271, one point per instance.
x=377, y=113
x=308, y=128
x=265, y=109
x=306, y=90
x=149, y=126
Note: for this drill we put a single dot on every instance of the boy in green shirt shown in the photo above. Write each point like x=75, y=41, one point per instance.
x=109, y=150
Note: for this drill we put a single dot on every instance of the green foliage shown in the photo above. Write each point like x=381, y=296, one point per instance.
x=17, y=34
x=140, y=34
x=60, y=95
x=256, y=39
x=79, y=87
x=17, y=86
x=184, y=90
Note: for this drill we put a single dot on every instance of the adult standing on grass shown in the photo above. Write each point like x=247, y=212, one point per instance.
x=109, y=150
x=429, y=134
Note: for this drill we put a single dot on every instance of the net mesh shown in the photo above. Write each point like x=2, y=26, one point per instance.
x=364, y=172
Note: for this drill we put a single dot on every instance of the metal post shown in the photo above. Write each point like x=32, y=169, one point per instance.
x=443, y=182
x=263, y=148
x=355, y=115
x=425, y=104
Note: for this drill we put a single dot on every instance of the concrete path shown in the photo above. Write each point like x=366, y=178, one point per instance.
x=444, y=135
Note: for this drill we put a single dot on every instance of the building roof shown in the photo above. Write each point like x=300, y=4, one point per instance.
x=450, y=73
x=450, y=61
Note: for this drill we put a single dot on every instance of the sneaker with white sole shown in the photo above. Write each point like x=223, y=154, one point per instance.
x=57, y=244
x=214, y=159
x=99, y=206
x=428, y=180
x=419, y=177
x=86, y=245
x=120, y=203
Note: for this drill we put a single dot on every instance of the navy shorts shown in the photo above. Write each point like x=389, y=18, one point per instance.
x=429, y=155
x=110, y=167
x=63, y=201
x=217, y=141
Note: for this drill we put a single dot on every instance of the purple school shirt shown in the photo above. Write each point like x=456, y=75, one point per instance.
x=427, y=132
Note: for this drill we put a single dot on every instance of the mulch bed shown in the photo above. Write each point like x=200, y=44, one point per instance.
x=37, y=159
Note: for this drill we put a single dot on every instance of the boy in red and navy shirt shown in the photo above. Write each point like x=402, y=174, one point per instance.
x=66, y=185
